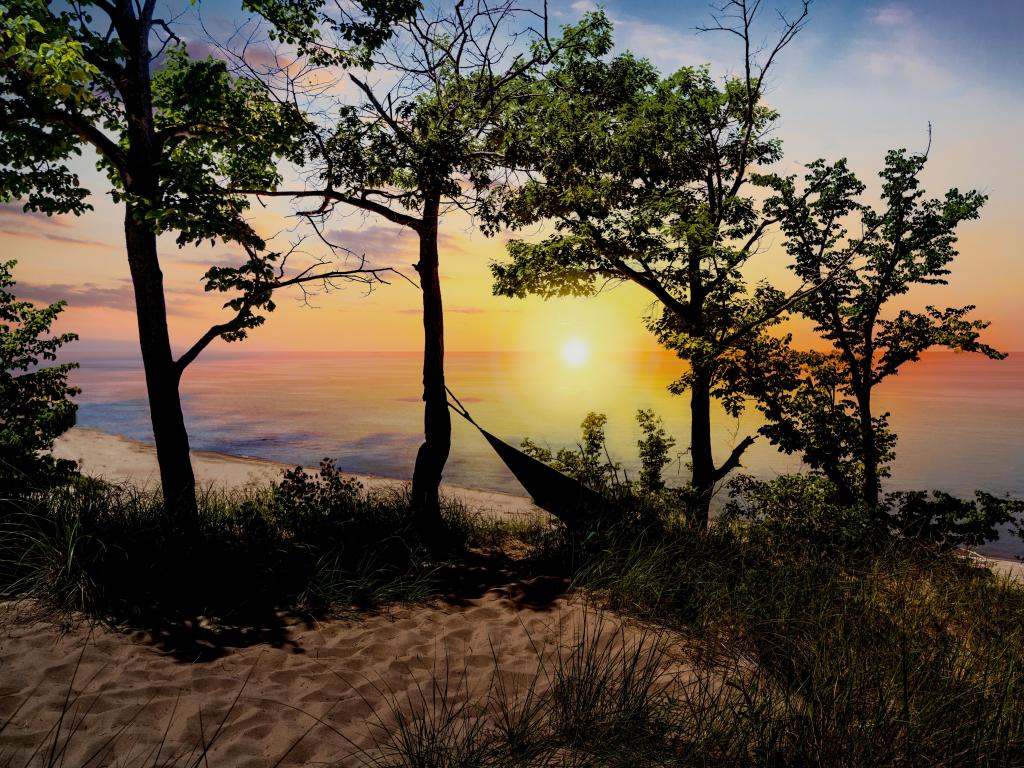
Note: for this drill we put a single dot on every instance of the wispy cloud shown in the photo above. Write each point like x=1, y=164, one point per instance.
x=391, y=246
x=84, y=295
x=38, y=226
x=380, y=243
x=119, y=296
x=892, y=15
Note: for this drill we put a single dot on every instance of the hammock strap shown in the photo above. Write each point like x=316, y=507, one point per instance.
x=459, y=408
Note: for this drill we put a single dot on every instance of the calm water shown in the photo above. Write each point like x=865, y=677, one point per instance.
x=960, y=418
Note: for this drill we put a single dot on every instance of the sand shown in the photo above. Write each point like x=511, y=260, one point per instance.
x=119, y=459
x=317, y=693
x=323, y=694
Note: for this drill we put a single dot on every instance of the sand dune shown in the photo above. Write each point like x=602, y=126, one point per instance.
x=337, y=682
x=315, y=692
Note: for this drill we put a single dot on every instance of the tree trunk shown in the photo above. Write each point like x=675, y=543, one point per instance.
x=700, y=445
x=869, y=451
x=142, y=182
x=437, y=424
x=172, y=450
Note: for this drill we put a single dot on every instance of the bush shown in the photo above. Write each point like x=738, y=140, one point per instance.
x=945, y=521
x=801, y=508
x=35, y=400
x=806, y=509
x=317, y=542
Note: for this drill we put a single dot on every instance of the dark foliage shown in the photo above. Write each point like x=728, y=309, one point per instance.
x=35, y=397
x=312, y=542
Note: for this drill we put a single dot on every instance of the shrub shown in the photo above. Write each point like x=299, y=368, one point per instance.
x=806, y=508
x=801, y=508
x=35, y=400
x=320, y=543
x=946, y=521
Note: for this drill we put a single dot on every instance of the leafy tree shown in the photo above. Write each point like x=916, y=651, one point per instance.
x=643, y=179
x=35, y=398
x=428, y=144
x=171, y=133
x=910, y=241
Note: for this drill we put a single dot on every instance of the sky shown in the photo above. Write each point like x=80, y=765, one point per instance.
x=863, y=77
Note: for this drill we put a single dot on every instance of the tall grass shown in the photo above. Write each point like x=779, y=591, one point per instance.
x=111, y=552
x=900, y=656
x=600, y=697
x=749, y=645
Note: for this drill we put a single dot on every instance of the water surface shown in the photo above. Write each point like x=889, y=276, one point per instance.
x=960, y=418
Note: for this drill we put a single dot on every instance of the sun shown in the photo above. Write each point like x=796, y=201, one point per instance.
x=575, y=352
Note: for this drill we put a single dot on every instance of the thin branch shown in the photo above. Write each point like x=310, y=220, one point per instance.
x=733, y=461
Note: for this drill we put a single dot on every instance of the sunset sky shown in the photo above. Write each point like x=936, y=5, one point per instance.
x=862, y=78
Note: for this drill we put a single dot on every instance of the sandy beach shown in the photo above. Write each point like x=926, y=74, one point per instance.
x=320, y=692
x=311, y=692
x=119, y=459
x=323, y=693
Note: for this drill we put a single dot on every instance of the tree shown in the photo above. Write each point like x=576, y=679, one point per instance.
x=643, y=179
x=911, y=241
x=35, y=399
x=171, y=133
x=428, y=144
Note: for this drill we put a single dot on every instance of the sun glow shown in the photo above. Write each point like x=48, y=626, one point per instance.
x=575, y=352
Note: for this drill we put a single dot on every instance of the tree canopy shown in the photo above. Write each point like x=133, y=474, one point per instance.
x=643, y=179
x=910, y=241
x=174, y=135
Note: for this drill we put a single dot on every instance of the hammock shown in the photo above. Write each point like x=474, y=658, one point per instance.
x=567, y=499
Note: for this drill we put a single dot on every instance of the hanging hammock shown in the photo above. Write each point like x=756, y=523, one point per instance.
x=564, y=497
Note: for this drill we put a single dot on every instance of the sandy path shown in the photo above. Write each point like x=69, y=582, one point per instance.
x=120, y=459
x=349, y=674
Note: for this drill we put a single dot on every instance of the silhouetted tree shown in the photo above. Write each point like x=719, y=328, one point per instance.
x=644, y=181
x=35, y=398
x=171, y=133
x=427, y=143
x=829, y=415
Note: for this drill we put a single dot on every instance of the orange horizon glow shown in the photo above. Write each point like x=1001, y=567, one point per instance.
x=858, y=82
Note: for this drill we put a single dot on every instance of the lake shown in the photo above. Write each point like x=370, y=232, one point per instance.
x=960, y=418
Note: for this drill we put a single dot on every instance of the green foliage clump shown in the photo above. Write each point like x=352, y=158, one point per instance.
x=641, y=501
x=35, y=398
x=944, y=521
x=654, y=448
x=804, y=508
x=588, y=462
x=314, y=542
x=810, y=510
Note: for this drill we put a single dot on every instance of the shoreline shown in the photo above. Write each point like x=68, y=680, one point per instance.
x=122, y=459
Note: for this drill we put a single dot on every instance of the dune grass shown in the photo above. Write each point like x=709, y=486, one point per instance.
x=758, y=645
x=109, y=552
x=755, y=652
